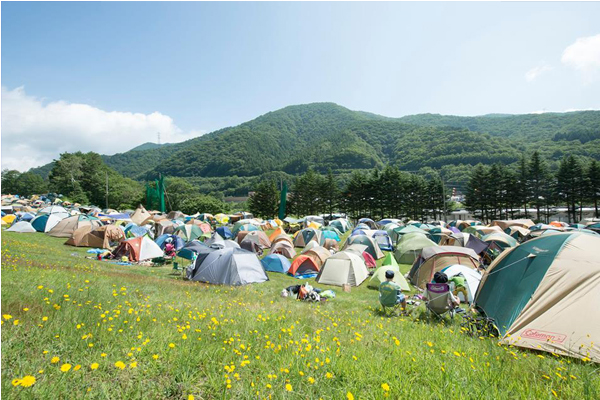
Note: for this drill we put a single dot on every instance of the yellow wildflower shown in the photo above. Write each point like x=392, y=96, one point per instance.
x=27, y=381
x=65, y=367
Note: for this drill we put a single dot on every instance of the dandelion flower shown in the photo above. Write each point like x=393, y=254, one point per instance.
x=155, y=356
x=171, y=345
x=349, y=396
x=133, y=364
x=288, y=387
x=385, y=387
x=94, y=366
x=55, y=360
x=7, y=316
x=27, y=381
x=65, y=367
x=191, y=397
x=120, y=364
x=77, y=367
x=16, y=382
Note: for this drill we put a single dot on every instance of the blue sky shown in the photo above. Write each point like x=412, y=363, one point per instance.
x=188, y=68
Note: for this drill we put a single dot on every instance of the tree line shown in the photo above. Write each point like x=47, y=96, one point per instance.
x=377, y=194
x=500, y=192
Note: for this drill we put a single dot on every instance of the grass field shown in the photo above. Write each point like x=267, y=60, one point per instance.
x=88, y=329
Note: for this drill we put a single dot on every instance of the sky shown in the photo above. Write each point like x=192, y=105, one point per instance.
x=108, y=76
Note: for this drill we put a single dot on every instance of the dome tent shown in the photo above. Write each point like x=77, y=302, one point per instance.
x=227, y=266
x=138, y=249
x=554, y=294
x=343, y=268
x=436, y=258
x=276, y=263
x=379, y=276
x=409, y=247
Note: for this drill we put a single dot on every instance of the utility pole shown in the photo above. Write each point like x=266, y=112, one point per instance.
x=107, y=189
x=444, y=195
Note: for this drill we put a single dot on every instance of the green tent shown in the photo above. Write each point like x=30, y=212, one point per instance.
x=390, y=260
x=410, y=246
x=390, y=229
x=379, y=276
x=409, y=229
x=188, y=232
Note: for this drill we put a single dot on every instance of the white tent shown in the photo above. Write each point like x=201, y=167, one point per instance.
x=22, y=227
x=343, y=268
x=472, y=278
x=149, y=249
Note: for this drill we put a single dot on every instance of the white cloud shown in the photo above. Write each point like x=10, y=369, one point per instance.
x=584, y=55
x=534, y=72
x=34, y=132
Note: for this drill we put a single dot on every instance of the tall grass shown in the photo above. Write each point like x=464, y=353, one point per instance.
x=174, y=339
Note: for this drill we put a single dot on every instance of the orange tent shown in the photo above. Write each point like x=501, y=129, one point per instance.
x=303, y=265
x=276, y=232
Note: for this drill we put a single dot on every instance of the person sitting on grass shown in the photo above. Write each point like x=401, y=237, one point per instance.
x=390, y=292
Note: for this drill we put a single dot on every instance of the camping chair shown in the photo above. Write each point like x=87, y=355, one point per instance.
x=439, y=299
x=389, y=310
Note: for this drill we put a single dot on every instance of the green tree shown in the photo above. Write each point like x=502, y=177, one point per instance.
x=10, y=181
x=537, y=181
x=264, y=203
x=593, y=185
x=30, y=183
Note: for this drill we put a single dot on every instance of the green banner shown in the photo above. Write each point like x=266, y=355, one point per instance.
x=283, y=201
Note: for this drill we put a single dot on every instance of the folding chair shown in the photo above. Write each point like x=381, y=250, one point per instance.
x=439, y=299
x=390, y=309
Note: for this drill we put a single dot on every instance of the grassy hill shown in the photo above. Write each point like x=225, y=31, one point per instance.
x=326, y=135
x=142, y=332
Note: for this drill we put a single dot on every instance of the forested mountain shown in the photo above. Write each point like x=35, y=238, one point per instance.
x=327, y=136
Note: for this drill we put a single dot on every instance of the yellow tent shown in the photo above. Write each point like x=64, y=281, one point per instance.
x=9, y=219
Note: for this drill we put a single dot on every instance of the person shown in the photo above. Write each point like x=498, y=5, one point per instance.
x=169, y=248
x=459, y=286
x=390, y=292
x=440, y=277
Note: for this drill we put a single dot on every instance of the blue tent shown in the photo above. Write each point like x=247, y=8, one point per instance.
x=358, y=231
x=133, y=231
x=329, y=235
x=225, y=232
x=161, y=241
x=26, y=217
x=383, y=240
x=276, y=263
x=192, y=248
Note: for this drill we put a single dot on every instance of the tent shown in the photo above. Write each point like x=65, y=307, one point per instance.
x=303, y=265
x=331, y=244
x=436, y=258
x=343, y=268
x=140, y=215
x=372, y=248
x=440, y=234
x=340, y=224
x=138, y=249
x=501, y=240
x=283, y=247
x=176, y=215
x=506, y=224
x=379, y=276
x=276, y=263
x=101, y=237
x=224, y=232
x=544, y=295
x=45, y=222
x=329, y=234
x=243, y=228
x=391, y=231
x=178, y=242
x=132, y=230
x=472, y=279
x=216, y=239
x=26, y=216
x=54, y=210
x=390, y=260
x=400, y=231
x=318, y=254
x=258, y=237
x=369, y=222
x=276, y=232
x=282, y=238
x=468, y=240
x=518, y=233
x=227, y=266
x=409, y=247
x=22, y=227
x=306, y=235
x=387, y=221
x=67, y=226
x=188, y=232
x=383, y=240
x=192, y=249
x=9, y=219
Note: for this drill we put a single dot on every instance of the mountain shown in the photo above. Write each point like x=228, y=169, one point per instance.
x=328, y=136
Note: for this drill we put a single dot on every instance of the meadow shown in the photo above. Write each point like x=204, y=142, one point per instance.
x=79, y=328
